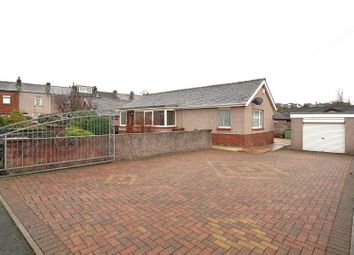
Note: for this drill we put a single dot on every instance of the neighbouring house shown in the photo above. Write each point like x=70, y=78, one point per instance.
x=8, y=101
x=39, y=99
x=239, y=114
x=329, y=131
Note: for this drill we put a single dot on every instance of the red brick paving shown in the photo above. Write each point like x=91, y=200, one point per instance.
x=206, y=202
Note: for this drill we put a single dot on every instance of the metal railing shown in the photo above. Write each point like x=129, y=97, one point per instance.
x=57, y=141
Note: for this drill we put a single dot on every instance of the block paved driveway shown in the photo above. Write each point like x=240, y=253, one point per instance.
x=205, y=202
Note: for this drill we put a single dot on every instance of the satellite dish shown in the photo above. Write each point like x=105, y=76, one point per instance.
x=258, y=101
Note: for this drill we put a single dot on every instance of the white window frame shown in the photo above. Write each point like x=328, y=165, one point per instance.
x=5, y=98
x=260, y=118
x=120, y=118
x=41, y=101
x=219, y=115
x=152, y=111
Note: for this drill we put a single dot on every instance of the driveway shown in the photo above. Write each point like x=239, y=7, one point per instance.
x=205, y=202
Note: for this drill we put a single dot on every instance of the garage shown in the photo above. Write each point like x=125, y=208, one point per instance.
x=324, y=137
x=332, y=133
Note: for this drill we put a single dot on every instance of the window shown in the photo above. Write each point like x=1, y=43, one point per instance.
x=171, y=118
x=86, y=90
x=224, y=118
x=123, y=118
x=139, y=118
x=6, y=99
x=257, y=119
x=148, y=118
x=38, y=101
x=159, y=118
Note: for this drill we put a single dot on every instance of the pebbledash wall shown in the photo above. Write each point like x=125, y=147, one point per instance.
x=28, y=155
x=242, y=134
x=142, y=145
x=297, y=134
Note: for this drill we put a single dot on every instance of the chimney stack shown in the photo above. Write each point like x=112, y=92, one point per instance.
x=115, y=93
x=47, y=87
x=131, y=95
x=18, y=83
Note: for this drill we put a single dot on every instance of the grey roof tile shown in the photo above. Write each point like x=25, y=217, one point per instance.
x=230, y=93
x=107, y=105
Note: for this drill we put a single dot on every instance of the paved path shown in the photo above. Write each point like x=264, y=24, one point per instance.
x=206, y=202
x=11, y=240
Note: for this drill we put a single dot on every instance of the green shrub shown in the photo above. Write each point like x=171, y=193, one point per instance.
x=91, y=121
x=15, y=117
x=76, y=131
x=2, y=121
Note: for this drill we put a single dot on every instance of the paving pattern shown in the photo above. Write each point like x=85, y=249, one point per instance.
x=205, y=202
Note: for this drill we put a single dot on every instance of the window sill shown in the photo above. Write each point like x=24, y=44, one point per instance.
x=256, y=129
x=157, y=126
x=224, y=128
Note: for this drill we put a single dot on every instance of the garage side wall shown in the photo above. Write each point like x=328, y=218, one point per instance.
x=349, y=135
x=296, y=133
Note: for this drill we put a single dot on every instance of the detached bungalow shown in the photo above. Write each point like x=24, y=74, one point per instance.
x=239, y=114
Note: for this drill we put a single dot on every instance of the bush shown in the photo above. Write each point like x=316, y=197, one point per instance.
x=2, y=121
x=91, y=121
x=15, y=117
x=75, y=131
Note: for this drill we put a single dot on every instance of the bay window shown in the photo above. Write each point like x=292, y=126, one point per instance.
x=148, y=118
x=159, y=118
x=139, y=118
x=171, y=118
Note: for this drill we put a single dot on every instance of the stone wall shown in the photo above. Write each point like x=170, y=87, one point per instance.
x=141, y=145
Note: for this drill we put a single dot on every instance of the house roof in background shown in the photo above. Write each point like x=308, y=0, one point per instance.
x=285, y=114
x=222, y=94
x=58, y=90
x=104, y=105
x=25, y=87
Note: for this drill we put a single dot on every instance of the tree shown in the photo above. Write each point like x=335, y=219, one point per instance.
x=340, y=99
x=71, y=103
x=340, y=96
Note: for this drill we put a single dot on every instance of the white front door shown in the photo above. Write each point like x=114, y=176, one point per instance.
x=324, y=137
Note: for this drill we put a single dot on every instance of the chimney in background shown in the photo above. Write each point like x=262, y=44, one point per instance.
x=131, y=95
x=115, y=93
x=47, y=87
x=18, y=83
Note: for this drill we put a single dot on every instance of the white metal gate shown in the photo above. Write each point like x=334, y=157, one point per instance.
x=57, y=141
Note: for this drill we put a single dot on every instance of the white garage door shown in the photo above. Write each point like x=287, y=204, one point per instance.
x=324, y=137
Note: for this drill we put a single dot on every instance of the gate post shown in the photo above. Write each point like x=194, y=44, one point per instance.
x=5, y=152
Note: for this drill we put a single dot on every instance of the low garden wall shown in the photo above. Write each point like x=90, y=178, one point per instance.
x=141, y=145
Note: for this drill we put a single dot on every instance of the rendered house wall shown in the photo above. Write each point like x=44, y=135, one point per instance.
x=26, y=104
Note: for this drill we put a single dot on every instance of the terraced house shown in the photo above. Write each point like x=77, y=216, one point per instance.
x=239, y=114
x=37, y=99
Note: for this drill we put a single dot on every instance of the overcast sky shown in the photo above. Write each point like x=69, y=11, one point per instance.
x=305, y=49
